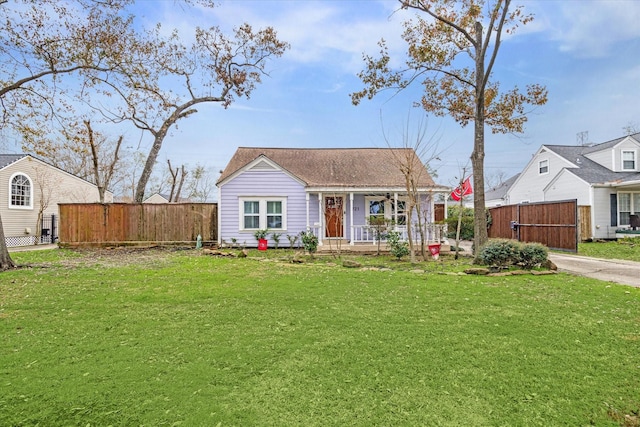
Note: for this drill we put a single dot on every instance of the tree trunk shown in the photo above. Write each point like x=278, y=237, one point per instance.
x=6, y=262
x=480, y=236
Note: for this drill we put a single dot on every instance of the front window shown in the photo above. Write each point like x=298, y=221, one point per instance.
x=628, y=160
x=543, y=167
x=252, y=215
x=262, y=213
x=21, y=196
x=402, y=212
x=376, y=211
x=274, y=214
x=628, y=204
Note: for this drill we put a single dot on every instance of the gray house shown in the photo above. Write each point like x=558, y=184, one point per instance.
x=335, y=193
x=605, y=177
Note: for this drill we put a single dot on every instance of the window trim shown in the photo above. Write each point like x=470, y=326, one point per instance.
x=633, y=200
x=634, y=160
x=9, y=201
x=262, y=212
x=389, y=211
x=541, y=166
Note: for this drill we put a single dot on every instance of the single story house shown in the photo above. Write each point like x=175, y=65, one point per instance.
x=30, y=190
x=605, y=177
x=335, y=193
x=497, y=195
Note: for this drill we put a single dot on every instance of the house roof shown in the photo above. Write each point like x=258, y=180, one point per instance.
x=499, y=191
x=333, y=167
x=588, y=170
x=7, y=159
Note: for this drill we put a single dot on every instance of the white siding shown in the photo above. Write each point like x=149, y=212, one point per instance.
x=530, y=184
x=601, y=214
x=566, y=187
x=48, y=183
x=604, y=158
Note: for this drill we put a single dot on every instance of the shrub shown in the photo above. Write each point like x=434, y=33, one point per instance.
x=397, y=247
x=500, y=253
x=532, y=255
x=466, y=226
x=309, y=241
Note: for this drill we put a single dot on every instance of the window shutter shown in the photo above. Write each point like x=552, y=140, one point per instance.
x=614, y=209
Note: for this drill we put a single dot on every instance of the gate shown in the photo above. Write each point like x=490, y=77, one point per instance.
x=49, y=229
x=554, y=224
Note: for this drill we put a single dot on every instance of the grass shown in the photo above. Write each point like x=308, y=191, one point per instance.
x=176, y=338
x=628, y=248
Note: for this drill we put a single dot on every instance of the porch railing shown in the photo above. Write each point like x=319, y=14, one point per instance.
x=367, y=234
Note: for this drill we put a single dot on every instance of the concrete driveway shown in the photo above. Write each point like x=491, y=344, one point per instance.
x=608, y=270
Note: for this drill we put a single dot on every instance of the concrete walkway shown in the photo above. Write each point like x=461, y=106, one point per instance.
x=32, y=248
x=608, y=270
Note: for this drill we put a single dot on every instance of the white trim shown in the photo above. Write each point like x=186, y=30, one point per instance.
x=31, y=191
x=262, y=212
x=540, y=166
x=365, y=190
x=635, y=160
x=261, y=158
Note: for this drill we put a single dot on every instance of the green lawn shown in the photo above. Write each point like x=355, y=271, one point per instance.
x=628, y=249
x=177, y=338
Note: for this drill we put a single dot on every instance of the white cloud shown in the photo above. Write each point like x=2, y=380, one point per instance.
x=589, y=28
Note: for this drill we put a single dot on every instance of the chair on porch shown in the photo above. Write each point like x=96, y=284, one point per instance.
x=634, y=221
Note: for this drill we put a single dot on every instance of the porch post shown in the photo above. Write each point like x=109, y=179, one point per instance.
x=320, y=219
x=395, y=211
x=307, y=200
x=351, y=218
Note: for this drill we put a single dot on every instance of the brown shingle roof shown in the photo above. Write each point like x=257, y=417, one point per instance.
x=333, y=167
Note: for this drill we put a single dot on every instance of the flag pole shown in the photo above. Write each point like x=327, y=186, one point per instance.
x=459, y=217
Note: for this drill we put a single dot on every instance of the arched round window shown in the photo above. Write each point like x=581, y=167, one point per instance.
x=21, y=194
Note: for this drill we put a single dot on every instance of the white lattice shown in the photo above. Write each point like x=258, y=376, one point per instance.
x=12, y=242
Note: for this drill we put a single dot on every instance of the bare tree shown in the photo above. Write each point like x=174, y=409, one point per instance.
x=214, y=69
x=412, y=159
x=102, y=176
x=41, y=44
x=45, y=186
x=436, y=45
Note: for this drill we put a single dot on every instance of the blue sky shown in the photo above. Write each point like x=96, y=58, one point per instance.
x=586, y=52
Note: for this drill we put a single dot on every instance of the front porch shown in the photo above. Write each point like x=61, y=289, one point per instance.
x=361, y=218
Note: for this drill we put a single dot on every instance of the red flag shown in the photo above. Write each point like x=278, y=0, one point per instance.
x=463, y=190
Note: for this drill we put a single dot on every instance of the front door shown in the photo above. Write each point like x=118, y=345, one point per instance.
x=333, y=216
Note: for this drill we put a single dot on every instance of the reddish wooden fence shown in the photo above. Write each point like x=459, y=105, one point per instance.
x=127, y=223
x=554, y=224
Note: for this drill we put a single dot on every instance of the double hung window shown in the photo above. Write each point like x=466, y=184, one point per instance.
x=628, y=204
x=543, y=167
x=628, y=160
x=262, y=213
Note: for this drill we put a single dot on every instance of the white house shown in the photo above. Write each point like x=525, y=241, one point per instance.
x=30, y=187
x=604, y=176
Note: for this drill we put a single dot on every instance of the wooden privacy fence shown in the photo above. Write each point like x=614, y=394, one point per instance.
x=96, y=224
x=554, y=224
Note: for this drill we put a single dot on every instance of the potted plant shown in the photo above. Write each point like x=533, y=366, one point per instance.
x=261, y=237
